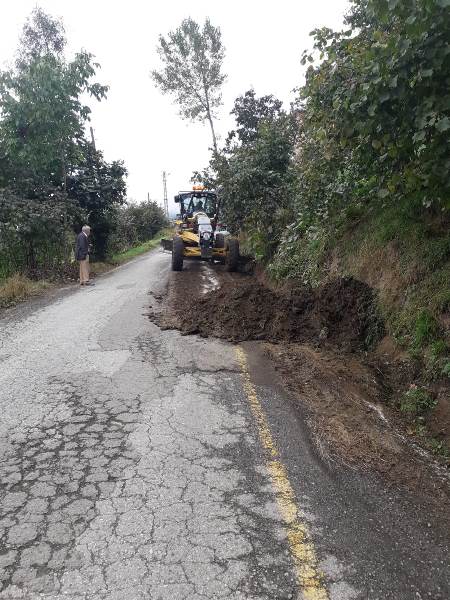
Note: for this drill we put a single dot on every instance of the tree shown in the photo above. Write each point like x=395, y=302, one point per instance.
x=377, y=106
x=137, y=223
x=250, y=111
x=42, y=35
x=256, y=184
x=42, y=112
x=52, y=178
x=191, y=70
x=99, y=188
x=33, y=232
x=253, y=174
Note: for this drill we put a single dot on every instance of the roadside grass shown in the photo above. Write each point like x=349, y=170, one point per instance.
x=412, y=252
x=98, y=267
x=400, y=250
x=122, y=257
x=18, y=288
x=416, y=402
x=119, y=258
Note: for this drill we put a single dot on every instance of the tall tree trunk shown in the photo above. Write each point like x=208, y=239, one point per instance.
x=63, y=167
x=209, y=117
x=211, y=124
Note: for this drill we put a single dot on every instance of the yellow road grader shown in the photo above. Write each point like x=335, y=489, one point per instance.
x=198, y=232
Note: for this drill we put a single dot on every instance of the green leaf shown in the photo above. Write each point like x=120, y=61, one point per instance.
x=393, y=82
x=443, y=124
x=419, y=136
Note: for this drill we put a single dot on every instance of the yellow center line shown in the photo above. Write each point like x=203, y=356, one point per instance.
x=309, y=578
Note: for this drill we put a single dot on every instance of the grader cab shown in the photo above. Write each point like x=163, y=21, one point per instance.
x=198, y=232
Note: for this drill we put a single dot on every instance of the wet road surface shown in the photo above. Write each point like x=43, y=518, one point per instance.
x=138, y=464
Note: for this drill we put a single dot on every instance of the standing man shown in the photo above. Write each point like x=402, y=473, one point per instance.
x=82, y=254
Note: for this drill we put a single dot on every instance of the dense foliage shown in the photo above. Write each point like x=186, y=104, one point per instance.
x=51, y=178
x=377, y=107
x=357, y=170
x=253, y=172
x=370, y=127
x=99, y=189
x=374, y=129
x=371, y=124
x=34, y=231
x=135, y=224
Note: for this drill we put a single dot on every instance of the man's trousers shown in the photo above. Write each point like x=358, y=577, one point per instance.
x=84, y=270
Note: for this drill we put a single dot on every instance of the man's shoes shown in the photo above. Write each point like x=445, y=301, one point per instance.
x=89, y=283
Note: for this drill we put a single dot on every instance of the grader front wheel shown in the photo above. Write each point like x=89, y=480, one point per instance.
x=232, y=259
x=177, y=254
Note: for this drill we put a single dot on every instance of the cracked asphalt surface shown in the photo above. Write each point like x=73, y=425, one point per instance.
x=131, y=467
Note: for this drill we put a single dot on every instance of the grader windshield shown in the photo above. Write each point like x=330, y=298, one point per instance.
x=201, y=201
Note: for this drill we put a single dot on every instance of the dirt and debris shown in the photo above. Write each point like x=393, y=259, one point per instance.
x=342, y=313
x=329, y=347
x=351, y=420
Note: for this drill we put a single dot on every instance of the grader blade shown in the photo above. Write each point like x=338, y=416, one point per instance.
x=167, y=244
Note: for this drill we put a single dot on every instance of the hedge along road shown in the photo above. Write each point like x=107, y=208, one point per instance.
x=137, y=463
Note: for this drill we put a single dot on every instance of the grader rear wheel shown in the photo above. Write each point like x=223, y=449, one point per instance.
x=177, y=253
x=220, y=241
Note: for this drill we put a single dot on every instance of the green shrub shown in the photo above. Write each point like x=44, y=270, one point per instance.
x=438, y=447
x=135, y=225
x=426, y=328
x=416, y=402
x=301, y=255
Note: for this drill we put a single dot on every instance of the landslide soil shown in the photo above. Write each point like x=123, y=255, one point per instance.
x=340, y=314
x=319, y=342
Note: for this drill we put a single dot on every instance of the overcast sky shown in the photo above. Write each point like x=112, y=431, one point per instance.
x=263, y=40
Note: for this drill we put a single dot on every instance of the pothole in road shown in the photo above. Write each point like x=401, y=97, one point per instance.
x=126, y=286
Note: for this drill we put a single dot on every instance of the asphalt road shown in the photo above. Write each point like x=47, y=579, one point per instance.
x=140, y=464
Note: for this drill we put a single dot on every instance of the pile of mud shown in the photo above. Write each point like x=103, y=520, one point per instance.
x=341, y=313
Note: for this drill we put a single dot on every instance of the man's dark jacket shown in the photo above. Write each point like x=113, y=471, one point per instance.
x=82, y=247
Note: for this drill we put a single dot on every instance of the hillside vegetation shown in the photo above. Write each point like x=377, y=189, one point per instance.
x=52, y=178
x=353, y=179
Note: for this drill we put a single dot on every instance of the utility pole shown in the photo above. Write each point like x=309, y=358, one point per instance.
x=166, y=202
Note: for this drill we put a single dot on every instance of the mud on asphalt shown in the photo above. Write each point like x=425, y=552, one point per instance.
x=319, y=343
